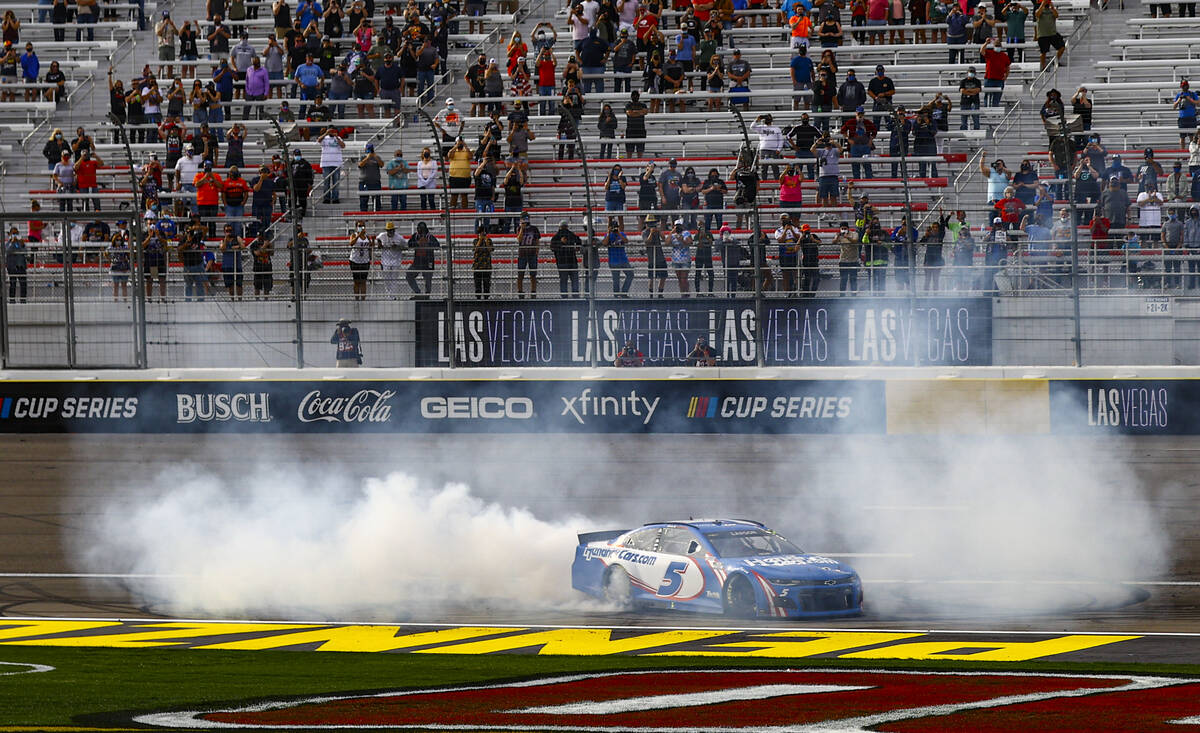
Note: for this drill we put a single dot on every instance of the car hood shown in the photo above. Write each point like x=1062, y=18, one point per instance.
x=796, y=567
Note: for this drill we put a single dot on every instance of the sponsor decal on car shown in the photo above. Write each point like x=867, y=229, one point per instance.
x=711, y=701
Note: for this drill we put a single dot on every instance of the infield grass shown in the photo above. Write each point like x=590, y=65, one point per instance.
x=106, y=687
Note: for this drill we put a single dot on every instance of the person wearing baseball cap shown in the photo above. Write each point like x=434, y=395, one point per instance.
x=349, y=350
x=969, y=89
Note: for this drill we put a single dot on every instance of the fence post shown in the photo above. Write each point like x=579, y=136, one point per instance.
x=299, y=261
x=451, y=335
x=757, y=253
x=140, y=357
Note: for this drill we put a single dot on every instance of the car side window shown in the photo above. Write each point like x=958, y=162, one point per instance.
x=677, y=541
x=643, y=539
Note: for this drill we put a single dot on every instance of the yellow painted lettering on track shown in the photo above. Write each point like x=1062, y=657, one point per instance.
x=791, y=644
x=577, y=642
x=360, y=638
x=22, y=629
x=988, y=651
x=161, y=634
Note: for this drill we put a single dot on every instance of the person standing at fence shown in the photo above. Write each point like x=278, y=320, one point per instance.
x=1191, y=243
x=391, y=250
x=397, y=173
x=681, y=256
x=528, y=238
x=1172, y=242
x=360, y=259
x=564, y=245
x=232, y=267
x=349, y=347
x=481, y=261
x=261, y=252
x=118, y=261
x=618, y=260
x=16, y=265
x=787, y=237
x=731, y=259
x=656, y=263
x=1149, y=204
x=704, y=258
x=191, y=256
x=848, y=259
x=369, y=168
x=423, y=244
x=810, y=261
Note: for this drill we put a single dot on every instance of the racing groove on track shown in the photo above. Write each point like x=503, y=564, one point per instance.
x=51, y=484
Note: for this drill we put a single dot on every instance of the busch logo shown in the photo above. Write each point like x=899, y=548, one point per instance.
x=242, y=406
x=365, y=405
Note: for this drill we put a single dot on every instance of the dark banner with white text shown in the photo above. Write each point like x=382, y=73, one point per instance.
x=795, y=332
x=1125, y=406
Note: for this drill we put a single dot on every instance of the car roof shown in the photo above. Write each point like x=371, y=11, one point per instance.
x=709, y=526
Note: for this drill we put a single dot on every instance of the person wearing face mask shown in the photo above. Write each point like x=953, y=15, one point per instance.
x=881, y=89
x=848, y=259
x=995, y=71
x=54, y=148
x=1025, y=182
x=302, y=179
x=1171, y=236
x=969, y=89
x=360, y=259
x=731, y=259
x=1176, y=186
x=851, y=95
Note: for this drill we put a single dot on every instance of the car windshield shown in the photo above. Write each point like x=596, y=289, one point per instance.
x=749, y=543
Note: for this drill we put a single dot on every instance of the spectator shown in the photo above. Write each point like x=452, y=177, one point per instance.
x=614, y=191
x=770, y=144
x=739, y=79
x=957, y=28
x=998, y=178
x=593, y=55
x=810, y=270
x=261, y=252
x=881, y=89
x=369, y=168
x=714, y=80
x=308, y=76
x=54, y=148
x=564, y=245
x=629, y=356
x=1010, y=209
x=829, y=33
x=423, y=244
x=9, y=63
x=528, y=237
x=875, y=249
x=618, y=260
x=900, y=125
x=1046, y=28
x=1185, y=101
x=1087, y=190
x=1014, y=16
x=969, y=89
x=801, y=69
x=16, y=265
x=86, y=12
x=702, y=355
x=481, y=262
x=635, y=126
x=1150, y=203
x=118, y=261
x=332, y=144
x=731, y=259
x=1191, y=241
x=680, y=241
x=427, y=178
x=713, y=189
x=31, y=68
x=262, y=198
x=925, y=144
x=188, y=49
x=186, y=169
x=1150, y=171
x=209, y=187
x=829, y=168
x=397, y=173
x=484, y=177
x=391, y=248
x=1176, y=186
x=360, y=260
x=851, y=96
x=995, y=70
x=63, y=178
x=859, y=133
x=57, y=81
x=787, y=237
x=154, y=262
x=234, y=191
x=85, y=178
x=1114, y=203
x=349, y=349
x=258, y=87
x=1121, y=171
x=848, y=258
x=235, y=145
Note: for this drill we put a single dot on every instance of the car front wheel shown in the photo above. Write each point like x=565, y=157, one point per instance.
x=738, y=598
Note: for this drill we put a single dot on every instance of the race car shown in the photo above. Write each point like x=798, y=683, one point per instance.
x=732, y=566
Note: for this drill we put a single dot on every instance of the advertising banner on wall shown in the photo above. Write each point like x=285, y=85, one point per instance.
x=542, y=406
x=1124, y=407
x=796, y=332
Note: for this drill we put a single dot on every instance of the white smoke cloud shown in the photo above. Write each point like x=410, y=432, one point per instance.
x=311, y=547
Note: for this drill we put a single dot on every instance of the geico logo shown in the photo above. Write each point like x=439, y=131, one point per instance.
x=241, y=406
x=488, y=408
x=365, y=405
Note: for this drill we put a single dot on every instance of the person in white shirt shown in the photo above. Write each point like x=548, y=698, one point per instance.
x=580, y=25
x=680, y=242
x=591, y=9
x=627, y=11
x=1149, y=203
x=332, y=145
x=360, y=259
x=427, y=174
x=186, y=169
x=770, y=144
x=391, y=246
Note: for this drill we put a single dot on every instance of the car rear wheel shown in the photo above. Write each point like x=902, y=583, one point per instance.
x=617, y=588
x=738, y=598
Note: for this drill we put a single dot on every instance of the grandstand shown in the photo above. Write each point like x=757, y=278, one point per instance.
x=1131, y=65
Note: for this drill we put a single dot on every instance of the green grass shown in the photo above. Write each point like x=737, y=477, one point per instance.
x=107, y=686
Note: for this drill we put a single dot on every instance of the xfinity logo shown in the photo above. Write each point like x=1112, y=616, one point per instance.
x=487, y=408
x=365, y=405
x=241, y=406
x=586, y=405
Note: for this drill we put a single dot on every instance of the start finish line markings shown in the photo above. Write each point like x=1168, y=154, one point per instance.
x=576, y=641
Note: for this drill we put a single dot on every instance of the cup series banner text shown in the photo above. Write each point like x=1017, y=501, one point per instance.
x=542, y=406
x=795, y=332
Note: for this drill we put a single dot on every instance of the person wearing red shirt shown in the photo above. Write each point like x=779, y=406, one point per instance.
x=234, y=192
x=1010, y=209
x=546, y=73
x=85, y=177
x=645, y=24
x=996, y=62
x=209, y=187
x=37, y=227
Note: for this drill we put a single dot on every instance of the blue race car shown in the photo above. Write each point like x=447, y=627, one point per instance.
x=731, y=566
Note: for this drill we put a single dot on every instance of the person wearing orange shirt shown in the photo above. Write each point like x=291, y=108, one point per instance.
x=234, y=192
x=85, y=177
x=209, y=188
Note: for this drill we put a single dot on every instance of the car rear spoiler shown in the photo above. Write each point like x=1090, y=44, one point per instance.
x=611, y=534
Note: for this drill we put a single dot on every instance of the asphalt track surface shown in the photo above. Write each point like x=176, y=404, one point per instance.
x=51, y=484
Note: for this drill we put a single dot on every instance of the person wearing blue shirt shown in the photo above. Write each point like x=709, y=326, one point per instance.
x=308, y=11
x=956, y=33
x=31, y=68
x=308, y=75
x=1037, y=245
x=593, y=53
x=618, y=260
x=802, y=75
x=1186, y=102
x=1123, y=175
x=685, y=51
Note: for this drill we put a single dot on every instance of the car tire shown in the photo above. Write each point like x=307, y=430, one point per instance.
x=618, y=590
x=738, y=599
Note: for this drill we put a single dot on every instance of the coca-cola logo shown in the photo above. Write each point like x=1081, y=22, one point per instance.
x=365, y=405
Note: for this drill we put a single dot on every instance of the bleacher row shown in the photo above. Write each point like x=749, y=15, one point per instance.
x=703, y=139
